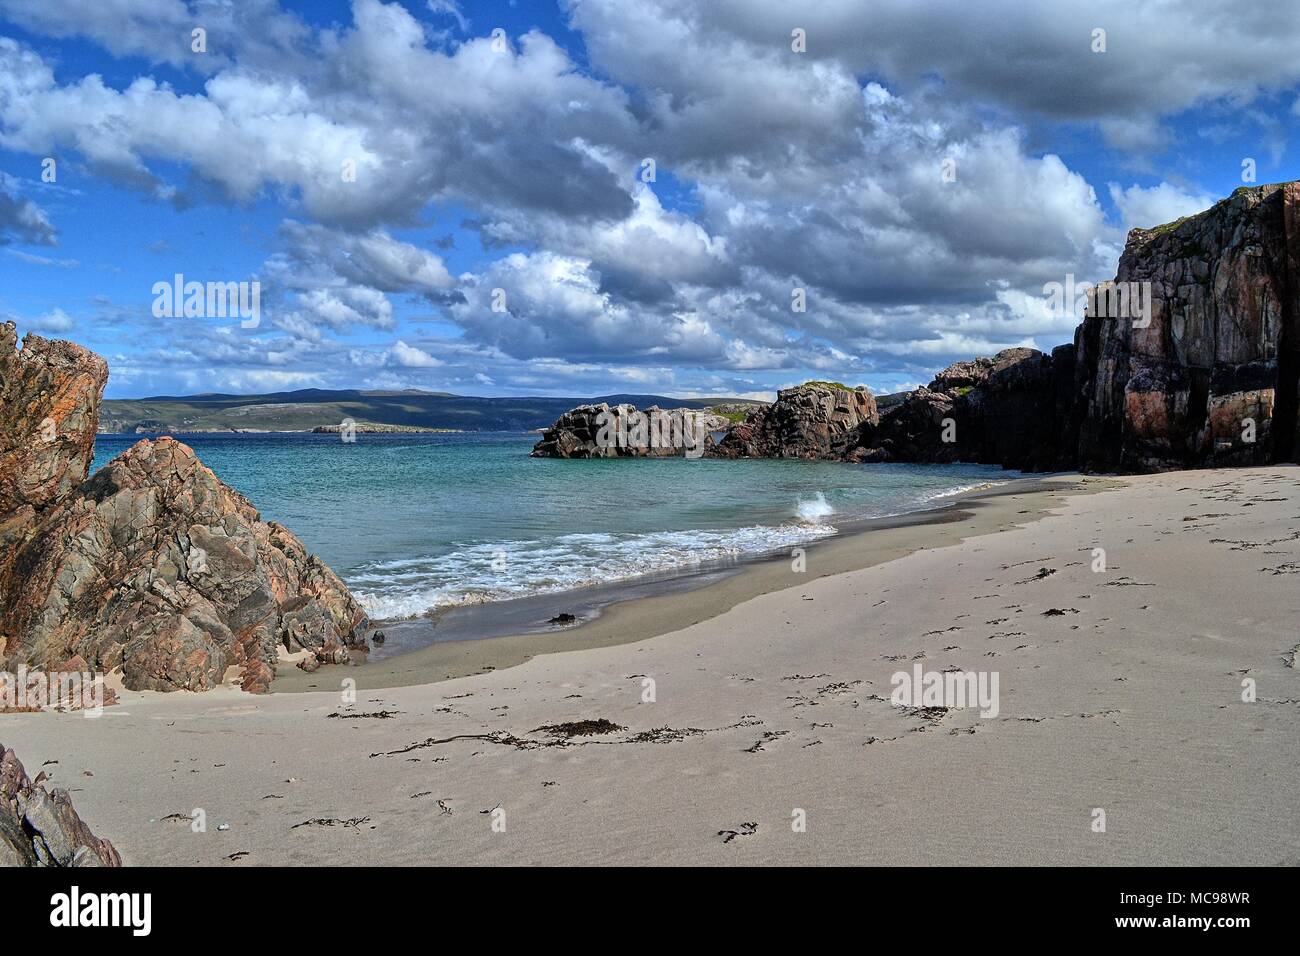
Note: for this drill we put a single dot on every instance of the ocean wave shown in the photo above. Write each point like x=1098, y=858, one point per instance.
x=962, y=489
x=502, y=570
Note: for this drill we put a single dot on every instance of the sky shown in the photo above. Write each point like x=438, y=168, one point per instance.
x=583, y=197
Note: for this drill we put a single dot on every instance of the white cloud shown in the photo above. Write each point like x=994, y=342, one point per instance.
x=56, y=320
x=448, y=8
x=43, y=260
x=408, y=356
x=1145, y=207
x=776, y=170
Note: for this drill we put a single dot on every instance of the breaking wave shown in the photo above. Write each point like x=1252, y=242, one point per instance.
x=480, y=573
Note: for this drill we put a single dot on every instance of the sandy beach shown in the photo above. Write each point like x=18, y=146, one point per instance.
x=753, y=720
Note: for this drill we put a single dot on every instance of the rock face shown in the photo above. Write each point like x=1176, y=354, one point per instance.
x=621, y=431
x=1210, y=380
x=1222, y=347
x=152, y=565
x=49, y=408
x=43, y=829
x=909, y=431
x=814, y=420
x=999, y=410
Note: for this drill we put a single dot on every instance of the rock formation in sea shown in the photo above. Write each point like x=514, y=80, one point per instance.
x=40, y=828
x=813, y=420
x=151, y=565
x=621, y=431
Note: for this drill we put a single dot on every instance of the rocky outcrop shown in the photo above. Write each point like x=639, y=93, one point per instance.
x=40, y=828
x=1212, y=379
x=49, y=407
x=152, y=565
x=813, y=420
x=621, y=431
x=998, y=410
x=911, y=431
x=1197, y=365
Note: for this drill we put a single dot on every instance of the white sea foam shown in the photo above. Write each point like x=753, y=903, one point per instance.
x=483, y=572
x=961, y=489
x=510, y=569
x=814, y=510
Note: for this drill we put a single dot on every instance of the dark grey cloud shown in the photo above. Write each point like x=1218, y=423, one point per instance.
x=1160, y=58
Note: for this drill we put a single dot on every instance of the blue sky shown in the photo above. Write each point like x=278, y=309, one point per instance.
x=512, y=170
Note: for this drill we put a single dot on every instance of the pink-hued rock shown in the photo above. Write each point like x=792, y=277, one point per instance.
x=49, y=408
x=152, y=564
x=159, y=568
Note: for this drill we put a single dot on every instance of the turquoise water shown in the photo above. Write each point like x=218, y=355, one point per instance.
x=415, y=522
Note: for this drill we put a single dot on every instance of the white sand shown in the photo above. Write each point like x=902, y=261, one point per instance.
x=1132, y=705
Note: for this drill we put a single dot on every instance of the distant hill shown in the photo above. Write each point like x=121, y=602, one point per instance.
x=307, y=408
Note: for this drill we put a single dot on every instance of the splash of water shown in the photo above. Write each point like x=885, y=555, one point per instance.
x=814, y=509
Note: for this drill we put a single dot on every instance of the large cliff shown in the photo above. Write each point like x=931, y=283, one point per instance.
x=1207, y=378
x=151, y=565
x=1222, y=349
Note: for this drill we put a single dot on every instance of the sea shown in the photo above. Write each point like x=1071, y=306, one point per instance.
x=419, y=523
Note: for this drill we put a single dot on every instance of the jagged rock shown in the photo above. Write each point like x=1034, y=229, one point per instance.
x=1212, y=380
x=999, y=411
x=40, y=828
x=49, y=407
x=813, y=420
x=156, y=566
x=621, y=431
x=960, y=376
x=1010, y=418
x=1223, y=344
x=910, y=431
x=152, y=564
x=255, y=677
x=304, y=624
